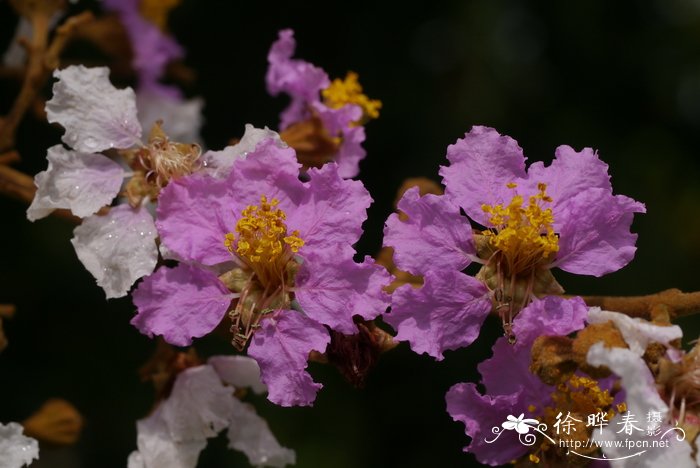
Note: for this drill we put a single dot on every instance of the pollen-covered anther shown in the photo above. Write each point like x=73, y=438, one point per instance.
x=349, y=91
x=164, y=160
x=522, y=232
x=262, y=234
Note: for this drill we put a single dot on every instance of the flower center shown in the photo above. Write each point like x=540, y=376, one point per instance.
x=261, y=241
x=579, y=406
x=349, y=91
x=262, y=234
x=164, y=160
x=523, y=234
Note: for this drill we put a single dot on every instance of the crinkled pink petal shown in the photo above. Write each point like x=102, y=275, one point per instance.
x=80, y=182
x=194, y=215
x=351, y=152
x=435, y=236
x=180, y=303
x=445, y=313
x=517, y=377
x=481, y=413
x=337, y=121
x=340, y=122
x=594, y=228
x=152, y=49
x=481, y=164
x=82, y=91
x=281, y=347
x=296, y=111
x=238, y=371
x=299, y=79
x=331, y=289
x=196, y=212
x=549, y=316
x=570, y=173
x=117, y=248
x=219, y=163
x=332, y=211
x=269, y=170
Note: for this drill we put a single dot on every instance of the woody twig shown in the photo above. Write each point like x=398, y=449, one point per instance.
x=42, y=60
x=673, y=302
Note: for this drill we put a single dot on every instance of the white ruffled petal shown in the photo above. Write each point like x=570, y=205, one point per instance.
x=641, y=394
x=199, y=406
x=16, y=449
x=638, y=333
x=250, y=434
x=117, y=248
x=96, y=115
x=80, y=182
x=157, y=449
x=641, y=398
x=218, y=163
x=238, y=371
x=182, y=119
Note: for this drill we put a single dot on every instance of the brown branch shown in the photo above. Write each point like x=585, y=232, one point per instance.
x=7, y=311
x=20, y=186
x=41, y=62
x=64, y=34
x=674, y=302
x=10, y=157
x=16, y=184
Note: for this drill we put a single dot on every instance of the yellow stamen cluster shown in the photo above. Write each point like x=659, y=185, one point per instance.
x=523, y=233
x=582, y=395
x=165, y=160
x=156, y=11
x=349, y=91
x=262, y=233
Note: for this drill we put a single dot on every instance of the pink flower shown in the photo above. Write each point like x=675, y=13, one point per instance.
x=563, y=215
x=511, y=388
x=341, y=112
x=285, y=250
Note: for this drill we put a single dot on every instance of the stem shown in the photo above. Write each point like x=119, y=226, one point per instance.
x=41, y=62
x=672, y=301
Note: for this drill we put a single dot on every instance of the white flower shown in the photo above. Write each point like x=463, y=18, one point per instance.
x=641, y=398
x=218, y=163
x=16, y=449
x=199, y=407
x=637, y=333
x=118, y=248
x=182, y=119
x=80, y=182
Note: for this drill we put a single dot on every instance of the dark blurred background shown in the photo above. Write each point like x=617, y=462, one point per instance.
x=622, y=77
